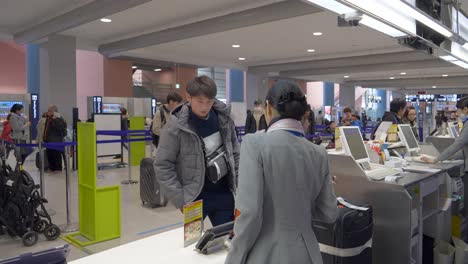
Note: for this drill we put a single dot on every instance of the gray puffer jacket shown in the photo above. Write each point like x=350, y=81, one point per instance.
x=180, y=163
x=18, y=125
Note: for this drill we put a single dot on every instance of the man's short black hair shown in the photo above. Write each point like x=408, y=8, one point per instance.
x=202, y=86
x=347, y=110
x=462, y=103
x=331, y=122
x=174, y=97
x=397, y=104
x=320, y=111
x=16, y=107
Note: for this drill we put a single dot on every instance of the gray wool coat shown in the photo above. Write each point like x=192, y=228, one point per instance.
x=180, y=163
x=284, y=183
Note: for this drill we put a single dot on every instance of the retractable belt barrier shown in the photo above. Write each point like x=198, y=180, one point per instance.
x=144, y=135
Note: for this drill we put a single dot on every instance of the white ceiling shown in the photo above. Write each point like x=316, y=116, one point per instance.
x=284, y=40
x=158, y=15
x=276, y=42
x=16, y=15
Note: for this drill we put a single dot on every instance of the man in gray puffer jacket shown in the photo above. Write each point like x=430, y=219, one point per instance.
x=198, y=154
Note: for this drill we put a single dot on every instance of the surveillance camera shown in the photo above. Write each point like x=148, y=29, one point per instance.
x=350, y=19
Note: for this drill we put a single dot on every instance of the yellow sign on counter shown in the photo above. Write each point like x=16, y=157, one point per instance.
x=193, y=222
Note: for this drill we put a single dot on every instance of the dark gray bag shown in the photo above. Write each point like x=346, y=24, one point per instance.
x=150, y=191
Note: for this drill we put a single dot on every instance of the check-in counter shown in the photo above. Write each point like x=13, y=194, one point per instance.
x=417, y=204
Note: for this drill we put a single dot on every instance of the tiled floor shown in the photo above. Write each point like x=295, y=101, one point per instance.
x=137, y=221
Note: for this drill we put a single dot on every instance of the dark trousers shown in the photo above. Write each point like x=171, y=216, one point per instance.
x=55, y=159
x=218, y=206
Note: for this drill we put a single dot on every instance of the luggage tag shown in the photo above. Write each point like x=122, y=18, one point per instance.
x=351, y=206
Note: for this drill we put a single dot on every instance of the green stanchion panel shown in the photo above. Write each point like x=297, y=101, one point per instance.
x=99, y=208
x=138, y=149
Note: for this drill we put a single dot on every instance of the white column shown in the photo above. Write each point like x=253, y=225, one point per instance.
x=58, y=74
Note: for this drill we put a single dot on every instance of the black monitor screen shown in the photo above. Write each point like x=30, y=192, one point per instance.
x=355, y=143
x=409, y=137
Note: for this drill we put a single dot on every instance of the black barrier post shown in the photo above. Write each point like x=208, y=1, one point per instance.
x=41, y=176
x=129, y=180
x=75, y=138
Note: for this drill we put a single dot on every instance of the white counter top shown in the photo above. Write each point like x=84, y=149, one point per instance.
x=162, y=248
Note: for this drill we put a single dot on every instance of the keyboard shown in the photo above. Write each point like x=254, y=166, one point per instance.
x=417, y=159
x=379, y=174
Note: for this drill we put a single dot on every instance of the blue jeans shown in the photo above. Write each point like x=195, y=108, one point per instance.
x=218, y=206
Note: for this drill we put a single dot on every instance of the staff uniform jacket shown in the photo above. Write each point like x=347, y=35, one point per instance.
x=180, y=162
x=284, y=183
x=460, y=143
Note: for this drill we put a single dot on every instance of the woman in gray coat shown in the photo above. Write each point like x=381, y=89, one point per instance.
x=284, y=183
x=20, y=128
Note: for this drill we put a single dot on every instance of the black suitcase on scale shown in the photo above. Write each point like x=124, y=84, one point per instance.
x=150, y=191
x=349, y=239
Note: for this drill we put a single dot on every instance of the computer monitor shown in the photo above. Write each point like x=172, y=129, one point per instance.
x=453, y=129
x=407, y=137
x=353, y=143
x=382, y=131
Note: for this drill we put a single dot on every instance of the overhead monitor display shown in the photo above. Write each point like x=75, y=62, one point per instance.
x=111, y=108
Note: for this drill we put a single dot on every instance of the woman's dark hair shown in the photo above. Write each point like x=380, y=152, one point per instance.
x=462, y=103
x=397, y=104
x=202, y=86
x=123, y=111
x=408, y=109
x=16, y=107
x=288, y=99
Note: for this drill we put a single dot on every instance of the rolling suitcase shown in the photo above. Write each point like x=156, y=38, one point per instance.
x=349, y=239
x=150, y=191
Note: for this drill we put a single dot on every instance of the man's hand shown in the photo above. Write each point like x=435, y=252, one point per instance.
x=428, y=159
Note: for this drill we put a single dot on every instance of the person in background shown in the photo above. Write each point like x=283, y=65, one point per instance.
x=330, y=130
x=409, y=117
x=349, y=119
x=198, y=153
x=255, y=119
x=163, y=115
x=55, y=131
x=40, y=127
x=20, y=126
x=308, y=121
x=397, y=109
x=319, y=120
x=459, y=148
x=284, y=183
x=5, y=137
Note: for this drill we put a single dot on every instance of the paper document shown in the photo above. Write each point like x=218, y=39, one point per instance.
x=415, y=168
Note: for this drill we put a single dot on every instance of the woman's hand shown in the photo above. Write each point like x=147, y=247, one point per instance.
x=334, y=179
x=430, y=160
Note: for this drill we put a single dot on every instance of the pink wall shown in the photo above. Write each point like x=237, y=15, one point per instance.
x=118, y=78
x=12, y=69
x=315, y=94
x=89, y=78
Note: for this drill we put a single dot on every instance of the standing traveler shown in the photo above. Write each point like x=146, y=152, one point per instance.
x=409, y=117
x=459, y=148
x=198, y=153
x=255, y=119
x=163, y=114
x=284, y=183
x=5, y=138
x=319, y=120
x=397, y=109
x=20, y=127
x=308, y=121
x=55, y=131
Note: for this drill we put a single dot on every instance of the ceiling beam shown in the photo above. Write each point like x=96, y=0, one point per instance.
x=406, y=65
x=260, y=15
x=456, y=81
x=150, y=62
x=394, y=57
x=89, y=12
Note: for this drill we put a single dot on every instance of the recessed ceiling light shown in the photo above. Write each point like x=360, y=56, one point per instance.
x=318, y=33
x=310, y=50
x=346, y=76
x=134, y=67
x=444, y=75
x=434, y=86
x=236, y=46
x=403, y=73
x=106, y=20
x=157, y=70
x=392, y=78
x=241, y=59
